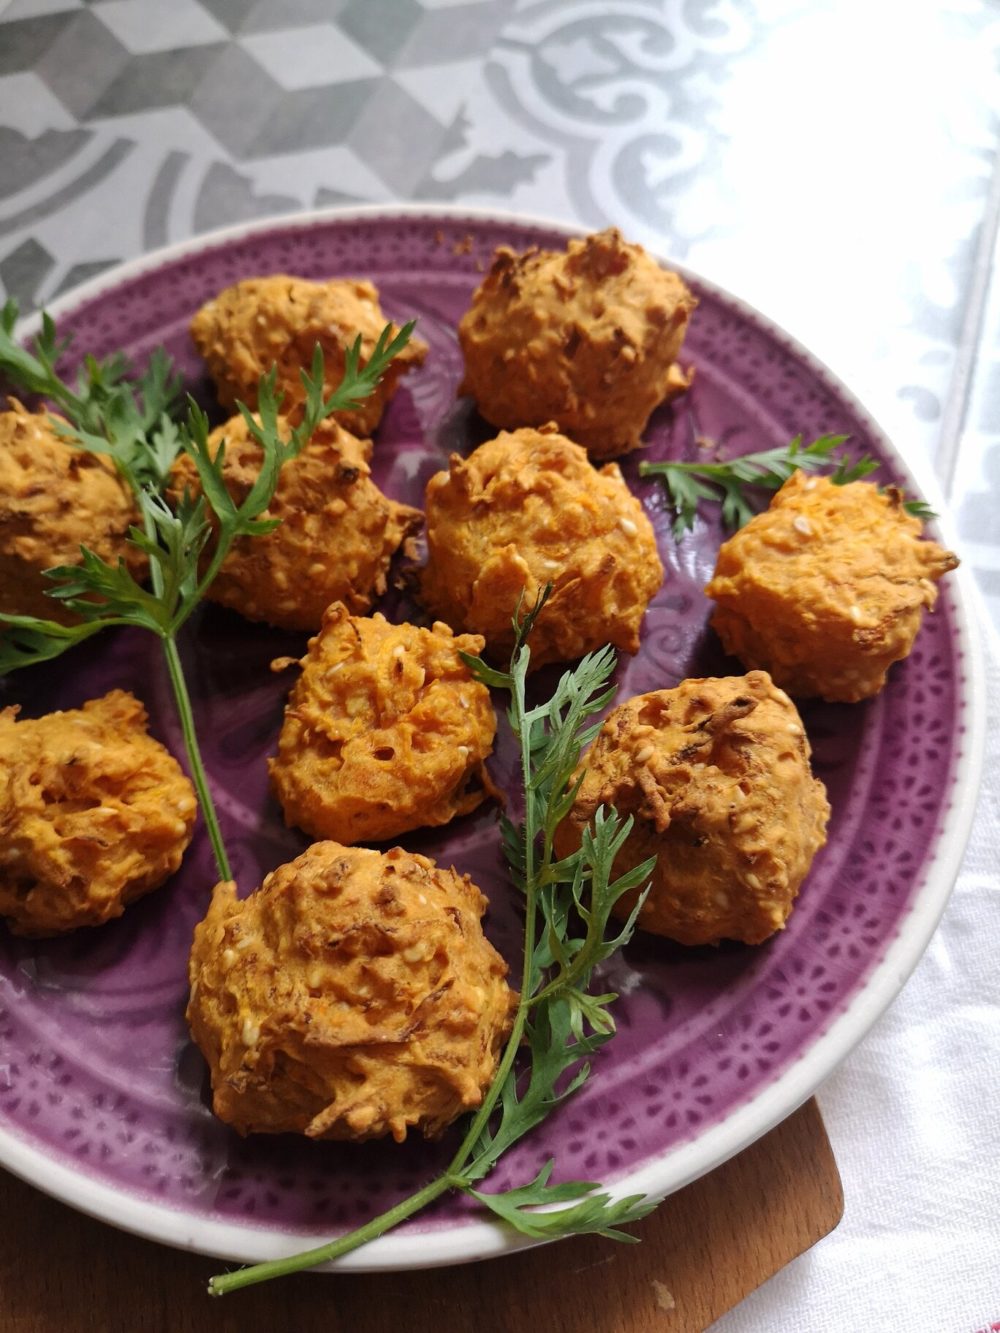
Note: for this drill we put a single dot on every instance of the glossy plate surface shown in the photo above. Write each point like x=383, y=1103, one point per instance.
x=102, y=1095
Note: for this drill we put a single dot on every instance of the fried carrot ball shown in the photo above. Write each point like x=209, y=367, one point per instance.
x=337, y=535
x=386, y=730
x=53, y=498
x=826, y=588
x=716, y=775
x=527, y=509
x=277, y=321
x=588, y=338
x=93, y=814
x=351, y=996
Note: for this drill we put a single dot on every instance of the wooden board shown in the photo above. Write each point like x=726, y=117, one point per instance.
x=706, y=1248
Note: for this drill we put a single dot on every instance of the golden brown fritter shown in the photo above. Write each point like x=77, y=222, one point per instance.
x=338, y=532
x=587, y=337
x=277, y=321
x=93, y=814
x=527, y=509
x=53, y=498
x=386, y=730
x=826, y=588
x=716, y=775
x=352, y=995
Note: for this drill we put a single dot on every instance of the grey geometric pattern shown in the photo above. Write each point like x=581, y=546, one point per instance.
x=82, y=62
x=227, y=109
x=235, y=99
x=23, y=270
x=181, y=24
x=156, y=79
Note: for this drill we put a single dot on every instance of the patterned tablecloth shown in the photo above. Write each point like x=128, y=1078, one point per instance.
x=835, y=162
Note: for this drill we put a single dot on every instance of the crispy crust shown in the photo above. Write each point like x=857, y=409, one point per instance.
x=385, y=731
x=53, y=499
x=827, y=588
x=588, y=338
x=716, y=775
x=277, y=321
x=94, y=813
x=338, y=532
x=351, y=996
x=528, y=509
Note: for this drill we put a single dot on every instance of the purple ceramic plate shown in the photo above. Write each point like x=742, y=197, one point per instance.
x=102, y=1095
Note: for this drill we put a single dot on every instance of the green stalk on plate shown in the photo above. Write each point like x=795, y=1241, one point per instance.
x=559, y=1022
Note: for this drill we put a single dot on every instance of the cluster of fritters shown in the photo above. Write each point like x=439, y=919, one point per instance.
x=354, y=994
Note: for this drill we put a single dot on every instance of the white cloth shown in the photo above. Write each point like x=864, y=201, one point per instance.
x=914, y=1118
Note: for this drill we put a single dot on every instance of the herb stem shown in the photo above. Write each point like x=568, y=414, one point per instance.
x=149, y=525
x=460, y=1162
x=219, y=554
x=198, y=775
x=454, y=1177
x=458, y=1174
x=295, y=1263
x=458, y=1171
x=560, y=1034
